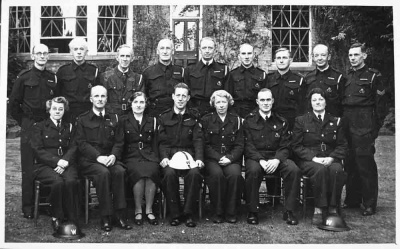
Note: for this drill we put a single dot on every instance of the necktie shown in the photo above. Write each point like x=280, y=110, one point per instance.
x=58, y=124
x=320, y=118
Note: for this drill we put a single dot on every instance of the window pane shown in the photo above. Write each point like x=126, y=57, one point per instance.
x=179, y=28
x=111, y=27
x=191, y=37
x=19, y=29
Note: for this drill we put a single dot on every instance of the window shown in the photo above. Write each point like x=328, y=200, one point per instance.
x=60, y=24
x=20, y=31
x=111, y=27
x=291, y=29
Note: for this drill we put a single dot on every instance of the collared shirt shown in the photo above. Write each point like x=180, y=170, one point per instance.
x=207, y=62
x=264, y=116
x=103, y=112
x=320, y=114
x=324, y=69
x=55, y=121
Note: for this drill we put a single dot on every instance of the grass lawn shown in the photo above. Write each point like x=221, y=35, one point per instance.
x=380, y=228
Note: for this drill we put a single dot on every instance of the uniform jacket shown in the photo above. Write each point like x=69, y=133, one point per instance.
x=76, y=81
x=266, y=139
x=51, y=144
x=139, y=140
x=120, y=87
x=288, y=90
x=178, y=133
x=331, y=81
x=96, y=137
x=30, y=92
x=311, y=138
x=159, y=80
x=204, y=80
x=223, y=138
x=245, y=83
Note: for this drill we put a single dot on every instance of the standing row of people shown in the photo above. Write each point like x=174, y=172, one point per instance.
x=358, y=94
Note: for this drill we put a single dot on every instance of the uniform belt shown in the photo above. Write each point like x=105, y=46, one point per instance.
x=123, y=107
x=139, y=145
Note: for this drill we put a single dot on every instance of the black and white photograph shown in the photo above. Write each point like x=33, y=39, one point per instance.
x=147, y=124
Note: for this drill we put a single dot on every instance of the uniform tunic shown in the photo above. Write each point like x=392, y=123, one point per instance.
x=265, y=140
x=313, y=138
x=331, y=81
x=50, y=144
x=140, y=149
x=288, y=90
x=27, y=101
x=120, y=87
x=75, y=83
x=97, y=136
x=180, y=133
x=159, y=81
x=363, y=121
x=223, y=138
x=203, y=80
x=244, y=85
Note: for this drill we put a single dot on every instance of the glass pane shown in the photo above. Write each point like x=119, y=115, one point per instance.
x=81, y=27
x=191, y=37
x=179, y=29
x=186, y=11
x=81, y=11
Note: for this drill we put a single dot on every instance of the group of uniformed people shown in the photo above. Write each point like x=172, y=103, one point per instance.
x=120, y=124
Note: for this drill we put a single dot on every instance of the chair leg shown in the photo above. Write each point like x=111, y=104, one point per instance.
x=304, y=198
x=36, y=208
x=87, y=186
x=164, y=204
x=202, y=193
x=160, y=204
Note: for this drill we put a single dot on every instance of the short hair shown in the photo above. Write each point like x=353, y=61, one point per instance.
x=281, y=49
x=166, y=39
x=208, y=39
x=60, y=99
x=77, y=41
x=316, y=90
x=265, y=90
x=33, y=48
x=359, y=45
x=320, y=44
x=221, y=93
x=135, y=95
x=246, y=44
x=124, y=46
x=97, y=86
x=182, y=85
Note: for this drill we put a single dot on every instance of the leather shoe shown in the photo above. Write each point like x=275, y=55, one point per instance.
x=231, y=218
x=218, y=219
x=252, y=218
x=153, y=221
x=189, y=222
x=319, y=218
x=123, y=223
x=175, y=222
x=368, y=211
x=55, y=223
x=138, y=221
x=106, y=224
x=28, y=216
x=290, y=219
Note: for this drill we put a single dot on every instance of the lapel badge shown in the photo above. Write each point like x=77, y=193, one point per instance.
x=219, y=83
x=51, y=92
x=274, y=126
x=277, y=135
x=331, y=124
x=334, y=136
x=257, y=85
x=190, y=131
x=329, y=90
x=90, y=85
x=112, y=133
x=291, y=92
x=361, y=91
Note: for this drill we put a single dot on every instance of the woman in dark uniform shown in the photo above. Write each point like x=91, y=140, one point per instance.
x=140, y=156
x=319, y=143
x=223, y=156
x=54, y=161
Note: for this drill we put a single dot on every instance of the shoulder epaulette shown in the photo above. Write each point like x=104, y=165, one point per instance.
x=236, y=68
x=147, y=67
x=375, y=71
x=313, y=72
x=84, y=113
x=66, y=64
x=165, y=111
x=24, y=72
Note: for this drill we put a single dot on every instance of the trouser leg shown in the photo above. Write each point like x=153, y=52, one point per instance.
x=27, y=160
x=319, y=176
x=192, y=182
x=170, y=187
x=291, y=180
x=253, y=179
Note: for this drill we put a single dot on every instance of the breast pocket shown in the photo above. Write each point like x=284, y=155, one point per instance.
x=238, y=83
x=257, y=83
x=196, y=80
x=32, y=92
x=256, y=134
x=188, y=127
x=217, y=81
x=70, y=83
x=292, y=91
x=50, y=139
x=331, y=88
x=92, y=132
x=110, y=128
x=330, y=134
x=156, y=83
x=310, y=135
x=212, y=136
x=363, y=88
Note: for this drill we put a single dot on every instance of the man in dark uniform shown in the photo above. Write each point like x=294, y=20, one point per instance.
x=160, y=79
x=205, y=77
x=76, y=79
x=180, y=130
x=287, y=87
x=360, y=102
x=55, y=162
x=101, y=146
x=121, y=82
x=245, y=82
x=330, y=80
x=266, y=151
x=30, y=92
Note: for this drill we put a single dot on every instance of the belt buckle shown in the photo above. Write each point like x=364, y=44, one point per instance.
x=60, y=151
x=140, y=144
x=124, y=107
x=323, y=147
x=223, y=149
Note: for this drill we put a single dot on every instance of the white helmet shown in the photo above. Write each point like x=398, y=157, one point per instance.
x=182, y=160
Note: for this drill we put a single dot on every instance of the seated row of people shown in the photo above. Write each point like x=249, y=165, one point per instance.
x=142, y=148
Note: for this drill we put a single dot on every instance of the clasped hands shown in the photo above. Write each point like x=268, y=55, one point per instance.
x=270, y=165
x=61, y=165
x=326, y=161
x=106, y=160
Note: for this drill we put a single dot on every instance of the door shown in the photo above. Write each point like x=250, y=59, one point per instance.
x=186, y=32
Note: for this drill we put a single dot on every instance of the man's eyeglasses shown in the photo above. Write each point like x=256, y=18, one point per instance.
x=42, y=54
